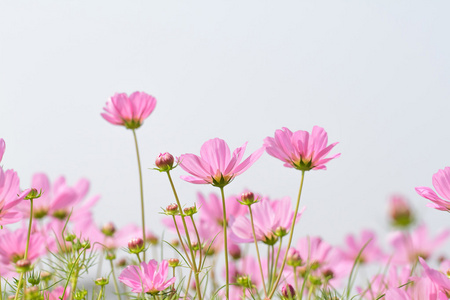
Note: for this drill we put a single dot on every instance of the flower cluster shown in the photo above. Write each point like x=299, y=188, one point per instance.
x=57, y=241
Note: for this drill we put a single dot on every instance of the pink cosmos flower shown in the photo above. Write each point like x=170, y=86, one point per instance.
x=10, y=197
x=147, y=278
x=441, y=281
x=13, y=244
x=418, y=244
x=216, y=165
x=301, y=150
x=441, y=183
x=129, y=111
x=367, y=245
x=271, y=218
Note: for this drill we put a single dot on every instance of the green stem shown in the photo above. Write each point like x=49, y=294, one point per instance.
x=200, y=245
x=257, y=250
x=101, y=293
x=276, y=260
x=225, y=243
x=194, y=264
x=181, y=242
x=26, y=252
x=141, y=188
x=290, y=236
x=116, y=287
x=297, y=292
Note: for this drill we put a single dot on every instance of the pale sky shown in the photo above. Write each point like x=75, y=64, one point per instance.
x=374, y=74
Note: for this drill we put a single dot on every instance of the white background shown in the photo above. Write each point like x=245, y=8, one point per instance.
x=374, y=74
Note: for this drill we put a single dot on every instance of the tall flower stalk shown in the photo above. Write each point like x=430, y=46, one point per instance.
x=131, y=111
x=218, y=167
x=141, y=189
x=290, y=238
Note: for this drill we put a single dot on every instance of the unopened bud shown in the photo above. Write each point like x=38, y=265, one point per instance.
x=164, y=162
x=400, y=212
x=110, y=255
x=190, y=211
x=173, y=262
x=280, y=231
x=288, y=291
x=270, y=238
x=109, y=229
x=136, y=245
x=175, y=243
x=234, y=251
x=293, y=258
x=23, y=265
x=80, y=294
x=70, y=237
x=248, y=198
x=121, y=262
x=244, y=281
x=172, y=210
x=101, y=281
x=151, y=238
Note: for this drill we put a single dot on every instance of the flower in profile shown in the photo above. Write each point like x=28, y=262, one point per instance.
x=441, y=183
x=129, y=111
x=147, y=278
x=216, y=165
x=10, y=197
x=301, y=150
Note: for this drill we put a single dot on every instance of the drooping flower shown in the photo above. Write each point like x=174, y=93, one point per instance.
x=129, y=111
x=147, y=278
x=441, y=183
x=216, y=165
x=301, y=150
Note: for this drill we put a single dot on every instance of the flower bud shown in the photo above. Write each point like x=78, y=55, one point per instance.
x=46, y=276
x=34, y=279
x=400, y=212
x=190, y=211
x=80, y=294
x=248, y=198
x=151, y=238
x=280, y=231
x=164, y=162
x=288, y=291
x=136, y=245
x=270, y=238
x=172, y=210
x=173, y=262
x=244, y=281
x=101, y=281
x=23, y=265
x=70, y=237
x=109, y=229
x=110, y=255
x=234, y=251
x=175, y=243
x=33, y=194
x=122, y=262
x=293, y=258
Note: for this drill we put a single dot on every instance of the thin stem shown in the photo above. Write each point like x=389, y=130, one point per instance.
x=116, y=287
x=296, y=283
x=200, y=246
x=276, y=260
x=141, y=188
x=225, y=243
x=26, y=252
x=194, y=264
x=181, y=241
x=290, y=236
x=257, y=250
x=188, y=284
x=101, y=293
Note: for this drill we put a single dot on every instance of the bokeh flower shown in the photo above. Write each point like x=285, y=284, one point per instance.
x=216, y=165
x=441, y=183
x=129, y=111
x=147, y=278
x=301, y=150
